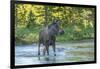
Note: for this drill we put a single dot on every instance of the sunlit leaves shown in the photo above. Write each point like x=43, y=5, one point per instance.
x=78, y=22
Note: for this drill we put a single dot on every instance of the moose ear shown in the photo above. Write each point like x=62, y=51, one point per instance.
x=54, y=22
x=58, y=22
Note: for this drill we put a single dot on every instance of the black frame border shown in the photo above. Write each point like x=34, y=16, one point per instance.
x=12, y=34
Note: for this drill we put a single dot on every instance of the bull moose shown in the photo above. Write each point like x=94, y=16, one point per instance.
x=47, y=36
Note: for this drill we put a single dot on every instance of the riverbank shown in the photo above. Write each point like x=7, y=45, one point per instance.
x=70, y=41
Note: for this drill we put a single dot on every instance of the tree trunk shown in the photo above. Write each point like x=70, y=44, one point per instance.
x=46, y=15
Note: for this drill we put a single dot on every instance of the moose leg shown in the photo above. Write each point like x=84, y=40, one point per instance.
x=39, y=49
x=47, y=48
x=54, y=49
x=53, y=45
x=44, y=50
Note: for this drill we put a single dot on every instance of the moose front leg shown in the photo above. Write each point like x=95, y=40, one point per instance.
x=53, y=44
x=39, y=49
x=54, y=49
x=47, y=49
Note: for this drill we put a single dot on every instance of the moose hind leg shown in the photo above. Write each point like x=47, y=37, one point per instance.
x=44, y=50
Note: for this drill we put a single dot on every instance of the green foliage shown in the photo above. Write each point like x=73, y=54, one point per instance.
x=77, y=22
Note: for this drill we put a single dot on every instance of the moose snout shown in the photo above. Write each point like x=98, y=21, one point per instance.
x=61, y=32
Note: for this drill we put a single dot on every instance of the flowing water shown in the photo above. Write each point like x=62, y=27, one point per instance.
x=75, y=51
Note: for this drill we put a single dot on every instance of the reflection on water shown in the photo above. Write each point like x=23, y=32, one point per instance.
x=65, y=52
x=47, y=59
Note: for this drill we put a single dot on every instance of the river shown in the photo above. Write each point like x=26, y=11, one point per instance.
x=75, y=51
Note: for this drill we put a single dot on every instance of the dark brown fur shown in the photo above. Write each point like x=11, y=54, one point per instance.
x=47, y=37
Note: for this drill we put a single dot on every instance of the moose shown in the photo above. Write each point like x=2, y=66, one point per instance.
x=47, y=36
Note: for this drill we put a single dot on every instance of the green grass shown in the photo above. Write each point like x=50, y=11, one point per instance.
x=83, y=46
x=82, y=53
x=74, y=59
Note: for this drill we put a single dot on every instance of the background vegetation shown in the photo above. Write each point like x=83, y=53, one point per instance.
x=77, y=22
